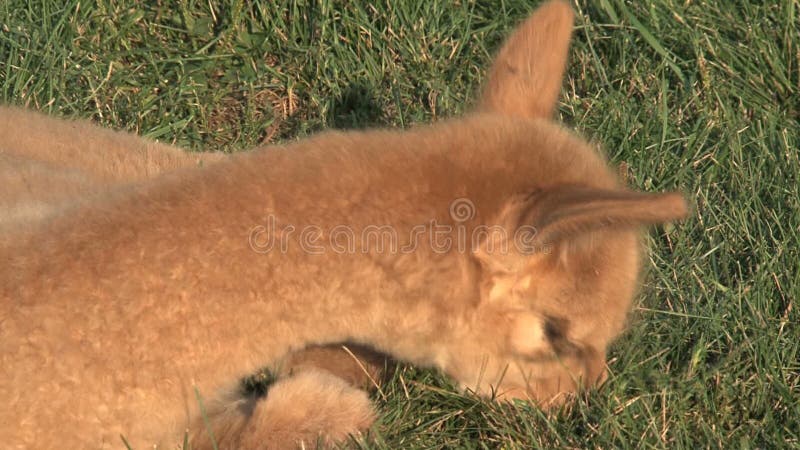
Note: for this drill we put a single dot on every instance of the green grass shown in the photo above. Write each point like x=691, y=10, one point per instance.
x=699, y=96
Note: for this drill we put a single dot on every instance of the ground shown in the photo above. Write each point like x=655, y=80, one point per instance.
x=698, y=96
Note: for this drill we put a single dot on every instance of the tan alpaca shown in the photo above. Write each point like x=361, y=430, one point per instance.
x=48, y=165
x=114, y=313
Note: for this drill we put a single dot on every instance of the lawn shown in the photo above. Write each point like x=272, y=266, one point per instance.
x=698, y=96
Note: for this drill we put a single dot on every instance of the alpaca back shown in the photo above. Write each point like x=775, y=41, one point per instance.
x=48, y=165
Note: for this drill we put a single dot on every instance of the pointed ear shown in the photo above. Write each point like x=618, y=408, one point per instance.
x=564, y=212
x=526, y=77
x=561, y=213
x=534, y=222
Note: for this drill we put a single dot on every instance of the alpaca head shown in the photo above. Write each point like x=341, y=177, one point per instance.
x=556, y=284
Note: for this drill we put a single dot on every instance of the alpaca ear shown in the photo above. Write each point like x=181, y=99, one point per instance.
x=526, y=77
x=552, y=216
x=565, y=212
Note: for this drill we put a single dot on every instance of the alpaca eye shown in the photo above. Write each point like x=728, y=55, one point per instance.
x=556, y=330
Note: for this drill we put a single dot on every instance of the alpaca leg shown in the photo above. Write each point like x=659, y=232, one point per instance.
x=309, y=409
x=360, y=366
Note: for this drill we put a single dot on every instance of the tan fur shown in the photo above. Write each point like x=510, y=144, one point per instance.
x=308, y=410
x=48, y=165
x=527, y=85
x=114, y=313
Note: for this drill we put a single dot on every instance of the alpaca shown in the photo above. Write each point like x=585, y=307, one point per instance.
x=120, y=314
x=48, y=165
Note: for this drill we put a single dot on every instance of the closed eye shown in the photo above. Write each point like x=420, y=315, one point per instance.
x=556, y=330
